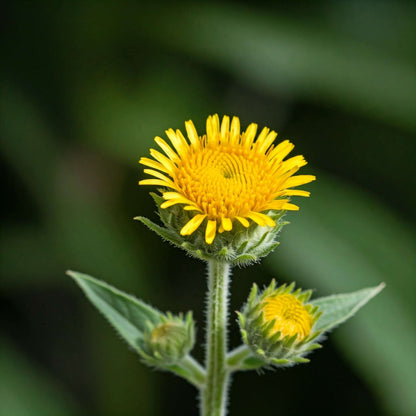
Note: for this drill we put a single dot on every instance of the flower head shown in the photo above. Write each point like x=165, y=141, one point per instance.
x=278, y=324
x=225, y=176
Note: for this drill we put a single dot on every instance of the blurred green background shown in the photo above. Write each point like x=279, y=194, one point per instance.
x=86, y=85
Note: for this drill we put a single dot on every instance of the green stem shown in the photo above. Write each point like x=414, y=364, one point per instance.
x=242, y=359
x=196, y=369
x=214, y=395
x=190, y=370
x=236, y=357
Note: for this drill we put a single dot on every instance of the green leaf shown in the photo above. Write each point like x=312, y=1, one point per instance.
x=338, y=308
x=125, y=313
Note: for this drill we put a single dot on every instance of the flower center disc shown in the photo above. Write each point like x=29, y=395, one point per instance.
x=225, y=180
x=290, y=315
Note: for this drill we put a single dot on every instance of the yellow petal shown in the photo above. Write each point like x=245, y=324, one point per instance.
x=281, y=151
x=179, y=143
x=167, y=163
x=172, y=195
x=227, y=224
x=280, y=182
x=276, y=205
x=152, y=164
x=263, y=145
x=243, y=221
x=298, y=180
x=192, y=224
x=156, y=182
x=192, y=208
x=295, y=192
x=191, y=132
x=170, y=203
x=261, y=219
x=235, y=130
x=290, y=207
x=213, y=126
x=210, y=231
x=166, y=148
x=181, y=137
x=208, y=127
x=173, y=198
x=296, y=161
x=157, y=174
x=225, y=129
x=249, y=135
x=264, y=132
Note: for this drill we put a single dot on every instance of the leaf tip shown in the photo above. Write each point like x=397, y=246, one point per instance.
x=378, y=289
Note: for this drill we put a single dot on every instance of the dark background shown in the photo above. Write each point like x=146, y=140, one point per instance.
x=87, y=85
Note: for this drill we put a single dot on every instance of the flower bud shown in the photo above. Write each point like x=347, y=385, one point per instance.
x=278, y=324
x=166, y=343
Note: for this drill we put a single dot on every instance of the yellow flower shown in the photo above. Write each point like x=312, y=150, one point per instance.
x=289, y=315
x=225, y=175
x=278, y=324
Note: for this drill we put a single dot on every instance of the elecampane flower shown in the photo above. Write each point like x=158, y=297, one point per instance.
x=225, y=175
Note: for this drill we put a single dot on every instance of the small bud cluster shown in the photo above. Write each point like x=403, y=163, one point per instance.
x=278, y=325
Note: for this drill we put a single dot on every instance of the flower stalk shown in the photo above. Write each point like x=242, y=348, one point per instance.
x=214, y=395
x=236, y=358
x=190, y=370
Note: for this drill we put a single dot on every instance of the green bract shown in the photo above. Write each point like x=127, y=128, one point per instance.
x=241, y=246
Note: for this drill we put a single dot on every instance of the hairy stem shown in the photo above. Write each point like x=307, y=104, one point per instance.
x=214, y=395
